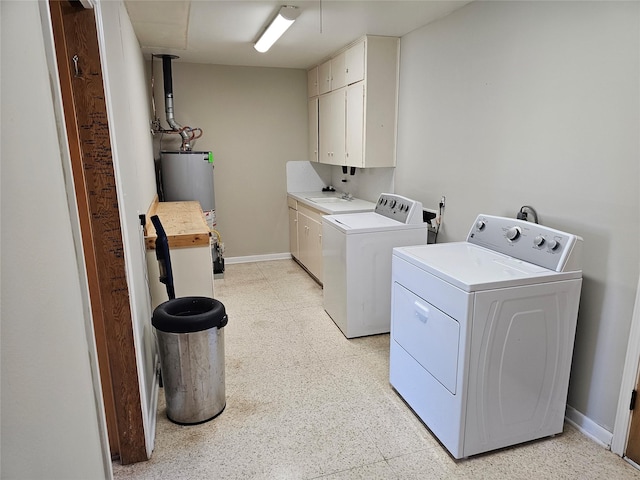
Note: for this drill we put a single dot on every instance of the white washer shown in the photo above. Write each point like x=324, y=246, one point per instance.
x=356, y=254
x=482, y=333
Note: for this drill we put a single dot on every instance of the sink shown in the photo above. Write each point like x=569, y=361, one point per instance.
x=326, y=199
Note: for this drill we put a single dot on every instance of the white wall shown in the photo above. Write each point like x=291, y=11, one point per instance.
x=50, y=421
x=366, y=183
x=128, y=105
x=504, y=104
x=255, y=121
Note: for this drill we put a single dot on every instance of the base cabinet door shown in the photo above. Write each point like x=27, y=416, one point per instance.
x=293, y=232
x=315, y=249
x=309, y=224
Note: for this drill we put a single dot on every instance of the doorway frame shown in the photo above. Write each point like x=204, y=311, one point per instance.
x=65, y=155
x=628, y=384
x=131, y=445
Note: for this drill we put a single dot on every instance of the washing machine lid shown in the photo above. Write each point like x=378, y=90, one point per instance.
x=367, y=222
x=474, y=268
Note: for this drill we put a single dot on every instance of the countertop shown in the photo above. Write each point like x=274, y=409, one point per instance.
x=183, y=223
x=334, y=204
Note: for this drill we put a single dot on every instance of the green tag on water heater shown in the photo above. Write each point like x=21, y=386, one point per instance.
x=210, y=157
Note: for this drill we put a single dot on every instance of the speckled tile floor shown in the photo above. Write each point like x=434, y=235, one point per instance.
x=303, y=402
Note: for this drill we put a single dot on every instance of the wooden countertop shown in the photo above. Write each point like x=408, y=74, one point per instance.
x=183, y=222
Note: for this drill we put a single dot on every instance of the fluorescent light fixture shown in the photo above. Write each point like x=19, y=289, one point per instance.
x=285, y=18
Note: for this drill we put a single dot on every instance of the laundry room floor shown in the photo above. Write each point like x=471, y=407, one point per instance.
x=303, y=402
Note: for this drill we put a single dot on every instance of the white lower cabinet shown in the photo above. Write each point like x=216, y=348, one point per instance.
x=305, y=237
x=310, y=244
x=192, y=274
x=293, y=232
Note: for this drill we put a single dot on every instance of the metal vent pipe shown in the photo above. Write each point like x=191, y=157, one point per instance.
x=168, y=101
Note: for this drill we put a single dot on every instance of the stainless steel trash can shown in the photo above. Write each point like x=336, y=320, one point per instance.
x=190, y=339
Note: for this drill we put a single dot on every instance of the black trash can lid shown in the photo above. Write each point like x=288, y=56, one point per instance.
x=189, y=314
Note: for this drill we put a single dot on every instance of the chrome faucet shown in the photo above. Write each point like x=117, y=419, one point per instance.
x=346, y=196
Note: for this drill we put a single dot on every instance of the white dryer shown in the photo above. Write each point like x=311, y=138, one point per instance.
x=356, y=256
x=482, y=333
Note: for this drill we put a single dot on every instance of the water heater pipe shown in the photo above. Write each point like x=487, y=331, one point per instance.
x=168, y=102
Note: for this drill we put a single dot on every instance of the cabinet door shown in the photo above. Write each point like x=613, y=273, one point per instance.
x=315, y=248
x=303, y=238
x=354, y=137
x=310, y=241
x=331, y=129
x=354, y=63
x=324, y=129
x=338, y=72
x=312, y=82
x=313, y=129
x=293, y=233
x=324, y=77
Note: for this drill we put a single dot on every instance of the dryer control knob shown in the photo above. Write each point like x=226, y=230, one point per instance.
x=393, y=203
x=554, y=245
x=480, y=224
x=539, y=241
x=513, y=233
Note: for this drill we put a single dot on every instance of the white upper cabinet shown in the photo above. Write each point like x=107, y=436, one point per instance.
x=338, y=71
x=331, y=130
x=354, y=63
x=313, y=129
x=354, y=132
x=358, y=98
x=324, y=77
x=312, y=82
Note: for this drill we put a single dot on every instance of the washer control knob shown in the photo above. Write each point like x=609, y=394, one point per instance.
x=554, y=245
x=539, y=241
x=513, y=233
x=480, y=224
x=393, y=203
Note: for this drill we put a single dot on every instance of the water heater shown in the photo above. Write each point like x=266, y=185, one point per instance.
x=188, y=176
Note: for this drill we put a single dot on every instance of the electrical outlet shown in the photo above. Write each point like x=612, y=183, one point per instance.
x=442, y=202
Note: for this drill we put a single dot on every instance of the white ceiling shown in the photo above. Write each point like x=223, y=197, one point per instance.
x=223, y=31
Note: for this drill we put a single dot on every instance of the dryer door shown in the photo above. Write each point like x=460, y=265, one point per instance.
x=430, y=336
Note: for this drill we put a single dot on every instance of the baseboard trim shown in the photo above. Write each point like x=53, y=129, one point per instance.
x=588, y=427
x=257, y=258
